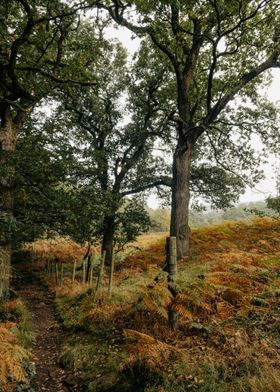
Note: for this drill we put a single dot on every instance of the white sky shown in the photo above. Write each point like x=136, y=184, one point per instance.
x=263, y=188
x=267, y=186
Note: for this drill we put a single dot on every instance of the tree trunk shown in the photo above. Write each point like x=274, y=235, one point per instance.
x=179, y=226
x=108, y=238
x=7, y=149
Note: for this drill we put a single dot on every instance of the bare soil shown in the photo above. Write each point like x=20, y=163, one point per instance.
x=48, y=333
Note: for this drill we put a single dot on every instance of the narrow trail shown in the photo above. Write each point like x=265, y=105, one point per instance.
x=49, y=336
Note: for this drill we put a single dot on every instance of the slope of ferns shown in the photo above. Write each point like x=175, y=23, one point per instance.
x=227, y=309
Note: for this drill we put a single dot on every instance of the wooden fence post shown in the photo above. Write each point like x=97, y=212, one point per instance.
x=56, y=272
x=100, y=277
x=74, y=271
x=84, y=271
x=171, y=258
x=33, y=256
x=112, y=265
x=91, y=270
x=61, y=273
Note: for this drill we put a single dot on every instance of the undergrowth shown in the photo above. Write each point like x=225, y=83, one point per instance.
x=16, y=369
x=227, y=307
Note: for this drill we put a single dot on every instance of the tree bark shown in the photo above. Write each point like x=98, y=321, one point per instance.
x=7, y=149
x=108, y=238
x=179, y=226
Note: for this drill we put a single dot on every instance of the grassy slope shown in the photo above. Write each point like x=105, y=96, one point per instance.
x=227, y=335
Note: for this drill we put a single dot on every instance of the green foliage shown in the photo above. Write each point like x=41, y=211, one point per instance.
x=217, y=54
x=89, y=157
x=160, y=219
x=36, y=35
x=131, y=221
x=43, y=197
x=273, y=203
x=215, y=185
x=37, y=55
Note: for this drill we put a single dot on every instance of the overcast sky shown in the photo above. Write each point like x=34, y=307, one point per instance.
x=265, y=187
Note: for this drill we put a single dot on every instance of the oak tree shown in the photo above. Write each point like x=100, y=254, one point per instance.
x=33, y=62
x=219, y=53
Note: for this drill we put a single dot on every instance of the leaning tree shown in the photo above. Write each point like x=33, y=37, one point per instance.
x=219, y=52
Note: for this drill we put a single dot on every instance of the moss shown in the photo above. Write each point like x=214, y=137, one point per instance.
x=93, y=359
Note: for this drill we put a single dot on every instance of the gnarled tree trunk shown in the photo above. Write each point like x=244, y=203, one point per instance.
x=7, y=149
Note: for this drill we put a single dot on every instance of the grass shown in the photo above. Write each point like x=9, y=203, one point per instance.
x=227, y=304
x=146, y=240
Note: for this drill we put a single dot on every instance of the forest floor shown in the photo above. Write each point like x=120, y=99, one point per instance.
x=39, y=301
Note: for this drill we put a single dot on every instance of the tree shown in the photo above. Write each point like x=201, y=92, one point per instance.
x=273, y=202
x=219, y=52
x=116, y=126
x=44, y=193
x=131, y=220
x=33, y=62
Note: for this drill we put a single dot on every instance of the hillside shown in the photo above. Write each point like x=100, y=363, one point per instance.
x=160, y=218
x=226, y=304
x=227, y=334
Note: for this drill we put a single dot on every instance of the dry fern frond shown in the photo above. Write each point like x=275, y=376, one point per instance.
x=154, y=297
x=59, y=248
x=178, y=308
x=150, y=352
x=11, y=357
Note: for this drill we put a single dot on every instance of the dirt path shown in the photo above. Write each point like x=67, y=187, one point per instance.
x=40, y=302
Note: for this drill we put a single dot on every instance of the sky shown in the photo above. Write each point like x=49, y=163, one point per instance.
x=264, y=188
x=267, y=186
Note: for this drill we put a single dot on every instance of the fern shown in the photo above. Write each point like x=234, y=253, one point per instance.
x=148, y=351
x=12, y=355
x=154, y=297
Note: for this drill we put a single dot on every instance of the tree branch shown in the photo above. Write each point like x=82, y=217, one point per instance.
x=272, y=62
x=54, y=78
x=166, y=181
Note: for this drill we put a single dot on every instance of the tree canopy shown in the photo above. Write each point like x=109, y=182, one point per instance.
x=185, y=113
x=218, y=53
